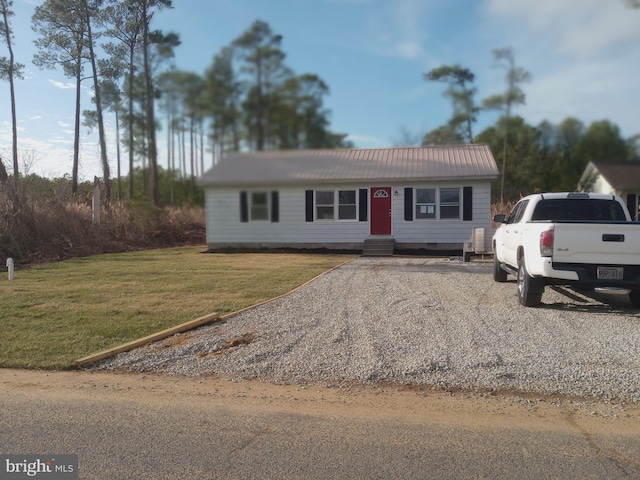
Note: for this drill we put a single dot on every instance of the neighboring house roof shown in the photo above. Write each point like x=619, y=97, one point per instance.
x=622, y=176
x=341, y=165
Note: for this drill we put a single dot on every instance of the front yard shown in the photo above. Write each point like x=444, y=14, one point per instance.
x=51, y=315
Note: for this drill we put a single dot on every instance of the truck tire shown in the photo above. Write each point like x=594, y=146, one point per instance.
x=530, y=289
x=634, y=297
x=499, y=275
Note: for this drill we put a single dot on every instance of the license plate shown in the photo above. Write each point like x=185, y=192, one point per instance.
x=610, y=273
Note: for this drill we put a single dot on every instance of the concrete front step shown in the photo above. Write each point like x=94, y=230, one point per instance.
x=380, y=247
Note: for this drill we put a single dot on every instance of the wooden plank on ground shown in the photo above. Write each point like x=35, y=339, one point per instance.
x=198, y=322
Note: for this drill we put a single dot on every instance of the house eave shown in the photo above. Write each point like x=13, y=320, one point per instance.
x=348, y=181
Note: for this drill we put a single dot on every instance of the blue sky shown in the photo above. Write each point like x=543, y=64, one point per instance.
x=583, y=55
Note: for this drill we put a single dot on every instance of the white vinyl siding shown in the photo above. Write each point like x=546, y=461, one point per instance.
x=224, y=226
x=441, y=231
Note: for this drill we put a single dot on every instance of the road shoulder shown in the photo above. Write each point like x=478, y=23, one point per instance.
x=393, y=403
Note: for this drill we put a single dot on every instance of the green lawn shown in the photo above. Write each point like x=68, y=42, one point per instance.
x=52, y=315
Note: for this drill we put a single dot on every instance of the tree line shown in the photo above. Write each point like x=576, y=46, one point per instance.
x=247, y=98
x=532, y=158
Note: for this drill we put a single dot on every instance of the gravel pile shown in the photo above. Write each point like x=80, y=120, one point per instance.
x=419, y=321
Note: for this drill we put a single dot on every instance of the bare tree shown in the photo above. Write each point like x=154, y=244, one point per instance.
x=3, y=172
x=408, y=138
x=28, y=159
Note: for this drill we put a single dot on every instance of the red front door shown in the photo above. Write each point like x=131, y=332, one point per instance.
x=381, y=211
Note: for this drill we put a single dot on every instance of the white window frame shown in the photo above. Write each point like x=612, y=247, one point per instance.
x=434, y=205
x=354, y=204
x=438, y=205
x=331, y=205
x=251, y=206
x=457, y=204
x=335, y=205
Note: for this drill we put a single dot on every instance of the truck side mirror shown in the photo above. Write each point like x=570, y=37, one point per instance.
x=500, y=218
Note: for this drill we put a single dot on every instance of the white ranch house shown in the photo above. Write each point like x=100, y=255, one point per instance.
x=616, y=178
x=422, y=198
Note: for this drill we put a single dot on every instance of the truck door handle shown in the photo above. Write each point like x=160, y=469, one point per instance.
x=611, y=237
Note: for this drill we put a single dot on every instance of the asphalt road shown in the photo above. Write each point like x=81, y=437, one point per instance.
x=151, y=427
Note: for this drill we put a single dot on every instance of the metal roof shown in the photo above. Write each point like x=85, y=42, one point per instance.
x=352, y=165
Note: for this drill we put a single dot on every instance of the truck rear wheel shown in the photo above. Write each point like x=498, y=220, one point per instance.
x=530, y=289
x=499, y=275
x=634, y=296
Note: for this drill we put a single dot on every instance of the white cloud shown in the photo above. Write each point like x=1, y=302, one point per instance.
x=582, y=54
x=408, y=49
x=397, y=30
x=63, y=124
x=368, y=141
x=577, y=27
x=35, y=117
x=59, y=140
x=62, y=85
x=588, y=90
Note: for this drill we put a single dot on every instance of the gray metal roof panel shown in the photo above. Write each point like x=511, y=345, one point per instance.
x=343, y=165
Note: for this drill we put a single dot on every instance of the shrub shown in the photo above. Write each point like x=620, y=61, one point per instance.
x=36, y=227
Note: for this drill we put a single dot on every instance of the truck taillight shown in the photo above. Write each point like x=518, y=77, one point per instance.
x=546, y=243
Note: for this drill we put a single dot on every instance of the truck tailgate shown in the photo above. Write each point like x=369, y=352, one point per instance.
x=597, y=243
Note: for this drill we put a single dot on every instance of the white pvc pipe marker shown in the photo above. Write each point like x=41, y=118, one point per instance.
x=10, y=267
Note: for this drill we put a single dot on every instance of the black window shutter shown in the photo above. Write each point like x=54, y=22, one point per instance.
x=309, y=205
x=244, y=207
x=467, y=203
x=632, y=206
x=275, y=207
x=362, y=213
x=408, y=204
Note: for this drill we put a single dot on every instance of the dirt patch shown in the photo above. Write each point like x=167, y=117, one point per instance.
x=227, y=345
x=177, y=340
x=244, y=339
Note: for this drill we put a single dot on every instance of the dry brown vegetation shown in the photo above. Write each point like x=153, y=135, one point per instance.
x=39, y=229
x=504, y=207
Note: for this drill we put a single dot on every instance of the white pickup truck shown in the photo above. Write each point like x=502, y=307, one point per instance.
x=584, y=240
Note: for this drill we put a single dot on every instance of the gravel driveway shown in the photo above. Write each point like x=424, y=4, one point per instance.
x=417, y=321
